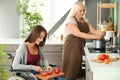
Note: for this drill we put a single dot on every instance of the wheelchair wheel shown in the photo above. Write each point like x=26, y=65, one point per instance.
x=15, y=78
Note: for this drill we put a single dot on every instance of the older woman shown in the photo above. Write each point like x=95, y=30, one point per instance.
x=76, y=31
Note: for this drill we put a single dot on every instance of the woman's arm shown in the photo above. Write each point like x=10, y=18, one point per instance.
x=19, y=59
x=94, y=31
x=76, y=32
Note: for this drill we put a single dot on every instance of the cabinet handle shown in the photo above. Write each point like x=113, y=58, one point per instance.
x=58, y=48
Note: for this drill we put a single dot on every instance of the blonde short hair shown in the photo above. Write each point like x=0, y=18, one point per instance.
x=74, y=8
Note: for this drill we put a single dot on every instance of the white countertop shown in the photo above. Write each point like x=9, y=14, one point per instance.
x=112, y=66
x=19, y=41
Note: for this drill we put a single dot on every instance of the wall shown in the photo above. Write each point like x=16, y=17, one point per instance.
x=91, y=14
x=118, y=13
x=9, y=19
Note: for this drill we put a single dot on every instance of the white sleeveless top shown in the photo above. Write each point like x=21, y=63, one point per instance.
x=73, y=21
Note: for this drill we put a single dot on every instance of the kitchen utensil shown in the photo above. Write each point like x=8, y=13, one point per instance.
x=115, y=42
x=108, y=47
x=99, y=44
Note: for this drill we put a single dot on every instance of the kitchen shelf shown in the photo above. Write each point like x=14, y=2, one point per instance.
x=107, y=5
x=110, y=6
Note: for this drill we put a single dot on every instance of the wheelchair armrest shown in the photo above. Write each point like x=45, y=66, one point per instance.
x=20, y=70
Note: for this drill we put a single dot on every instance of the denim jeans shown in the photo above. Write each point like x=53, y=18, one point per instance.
x=58, y=78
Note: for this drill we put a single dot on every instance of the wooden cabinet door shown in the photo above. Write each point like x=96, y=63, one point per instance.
x=53, y=53
x=89, y=73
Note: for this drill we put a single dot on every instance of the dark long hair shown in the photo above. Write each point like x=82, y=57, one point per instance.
x=35, y=33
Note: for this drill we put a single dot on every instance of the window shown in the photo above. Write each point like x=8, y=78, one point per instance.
x=52, y=11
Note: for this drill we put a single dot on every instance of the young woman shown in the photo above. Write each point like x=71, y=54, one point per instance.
x=29, y=54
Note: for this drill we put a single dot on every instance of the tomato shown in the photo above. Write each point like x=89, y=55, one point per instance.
x=103, y=56
x=106, y=61
x=44, y=74
x=107, y=56
x=49, y=72
x=57, y=70
x=99, y=57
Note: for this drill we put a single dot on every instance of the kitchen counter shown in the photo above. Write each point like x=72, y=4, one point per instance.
x=12, y=44
x=19, y=41
x=101, y=71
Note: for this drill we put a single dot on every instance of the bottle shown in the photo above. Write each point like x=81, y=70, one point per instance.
x=109, y=19
x=105, y=25
x=104, y=22
x=109, y=23
x=111, y=40
x=115, y=42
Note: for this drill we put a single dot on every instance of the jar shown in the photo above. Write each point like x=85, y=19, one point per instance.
x=109, y=23
x=109, y=26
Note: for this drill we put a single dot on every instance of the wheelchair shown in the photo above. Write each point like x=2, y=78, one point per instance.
x=17, y=72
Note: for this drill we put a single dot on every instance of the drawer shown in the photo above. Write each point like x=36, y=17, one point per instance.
x=53, y=59
x=52, y=48
x=52, y=53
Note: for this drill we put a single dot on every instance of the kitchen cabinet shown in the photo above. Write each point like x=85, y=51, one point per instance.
x=10, y=48
x=54, y=54
x=51, y=50
x=89, y=74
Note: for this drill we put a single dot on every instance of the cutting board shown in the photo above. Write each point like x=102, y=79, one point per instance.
x=53, y=75
x=100, y=61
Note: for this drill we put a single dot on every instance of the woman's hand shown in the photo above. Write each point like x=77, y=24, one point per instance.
x=49, y=68
x=38, y=69
x=101, y=34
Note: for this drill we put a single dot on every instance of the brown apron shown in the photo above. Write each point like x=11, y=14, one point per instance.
x=73, y=50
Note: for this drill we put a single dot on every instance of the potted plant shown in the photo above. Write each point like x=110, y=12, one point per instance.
x=3, y=72
x=30, y=11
